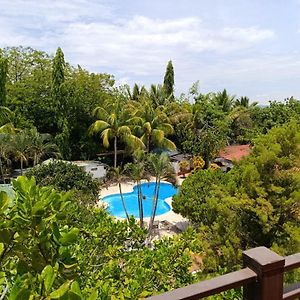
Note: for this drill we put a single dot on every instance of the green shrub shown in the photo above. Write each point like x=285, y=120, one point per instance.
x=64, y=176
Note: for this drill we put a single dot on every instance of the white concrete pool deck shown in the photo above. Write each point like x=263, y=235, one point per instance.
x=127, y=187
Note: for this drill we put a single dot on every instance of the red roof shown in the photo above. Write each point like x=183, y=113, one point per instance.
x=235, y=152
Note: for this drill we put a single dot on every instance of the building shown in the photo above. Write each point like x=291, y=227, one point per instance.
x=97, y=169
x=230, y=154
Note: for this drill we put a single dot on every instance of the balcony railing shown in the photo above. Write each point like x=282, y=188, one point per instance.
x=261, y=279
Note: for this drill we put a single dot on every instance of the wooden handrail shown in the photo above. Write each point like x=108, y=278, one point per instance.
x=210, y=287
x=292, y=262
x=262, y=278
x=292, y=291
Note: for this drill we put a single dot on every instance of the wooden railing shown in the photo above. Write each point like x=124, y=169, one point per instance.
x=261, y=279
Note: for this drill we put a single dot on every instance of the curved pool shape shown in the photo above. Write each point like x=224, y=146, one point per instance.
x=115, y=206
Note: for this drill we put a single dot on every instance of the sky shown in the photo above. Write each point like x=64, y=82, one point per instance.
x=251, y=48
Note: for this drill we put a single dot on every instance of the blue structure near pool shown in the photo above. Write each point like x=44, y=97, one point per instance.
x=115, y=206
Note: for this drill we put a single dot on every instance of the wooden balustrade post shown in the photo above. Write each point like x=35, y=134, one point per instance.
x=269, y=268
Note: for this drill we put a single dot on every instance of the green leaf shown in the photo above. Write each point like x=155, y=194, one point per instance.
x=5, y=236
x=4, y=201
x=48, y=276
x=93, y=296
x=60, y=291
x=70, y=237
x=75, y=292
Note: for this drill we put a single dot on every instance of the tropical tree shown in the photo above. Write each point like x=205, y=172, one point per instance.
x=162, y=169
x=224, y=101
x=136, y=93
x=118, y=174
x=5, y=151
x=137, y=171
x=21, y=148
x=41, y=146
x=112, y=124
x=158, y=95
x=207, y=131
x=244, y=102
x=152, y=125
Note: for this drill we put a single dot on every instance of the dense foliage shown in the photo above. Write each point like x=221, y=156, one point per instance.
x=55, y=244
x=64, y=176
x=44, y=252
x=255, y=204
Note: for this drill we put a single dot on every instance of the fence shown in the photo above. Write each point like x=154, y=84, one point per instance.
x=261, y=279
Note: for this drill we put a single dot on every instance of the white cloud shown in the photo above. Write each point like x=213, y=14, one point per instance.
x=138, y=48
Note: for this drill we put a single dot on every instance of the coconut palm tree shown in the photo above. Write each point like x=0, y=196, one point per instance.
x=224, y=100
x=41, y=146
x=244, y=102
x=137, y=92
x=5, y=151
x=6, y=116
x=138, y=172
x=21, y=148
x=118, y=175
x=152, y=125
x=112, y=124
x=162, y=169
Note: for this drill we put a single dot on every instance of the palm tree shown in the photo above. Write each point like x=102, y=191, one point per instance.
x=224, y=100
x=21, y=144
x=6, y=125
x=244, y=102
x=137, y=92
x=138, y=173
x=152, y=125
x=5, y=151
x=161, y=168
x=41, y=146
x=158, y=97
x=118, y=175
x=112, y=124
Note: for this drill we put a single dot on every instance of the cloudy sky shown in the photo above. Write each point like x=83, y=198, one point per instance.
x=249, y=47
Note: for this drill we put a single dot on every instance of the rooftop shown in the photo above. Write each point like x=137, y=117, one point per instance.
x=235, y=152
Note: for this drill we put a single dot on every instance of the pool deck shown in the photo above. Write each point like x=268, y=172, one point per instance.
x=127, y=187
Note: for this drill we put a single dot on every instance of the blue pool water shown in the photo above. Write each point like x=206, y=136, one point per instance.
x=131, y=200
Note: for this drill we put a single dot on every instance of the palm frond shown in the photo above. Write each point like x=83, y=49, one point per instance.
x=98, y=127
x=106, y=135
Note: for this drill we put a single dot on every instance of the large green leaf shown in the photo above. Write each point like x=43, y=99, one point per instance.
x=60, y=291
x=48, y=275
x=4, y=201
x=69, y=237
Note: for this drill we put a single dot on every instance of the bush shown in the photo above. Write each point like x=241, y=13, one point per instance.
x=64, y=176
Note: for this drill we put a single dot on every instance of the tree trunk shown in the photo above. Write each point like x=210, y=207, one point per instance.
x=140, y=199
x=123, y=202
x=142, y=207
x=21, y=166
x=206, y=162
x=35, y=160
x=154, y=205
x=148, y=143
x=115, y=152
x=2, y=171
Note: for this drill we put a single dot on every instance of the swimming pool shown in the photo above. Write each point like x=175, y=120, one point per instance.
x=116, y=209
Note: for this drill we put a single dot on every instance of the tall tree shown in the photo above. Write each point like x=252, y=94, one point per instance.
x=3, y=78
x=169, y=80
x=161, y=168
x=112, y=124
x=118, y=175
x=152, y=125
x=58, y=78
